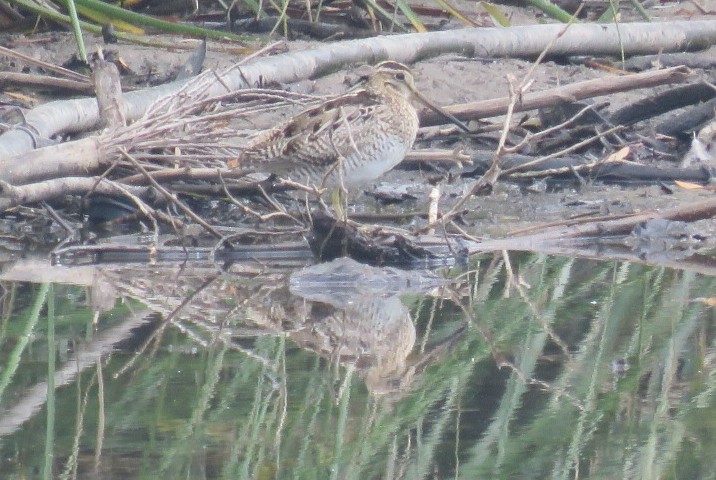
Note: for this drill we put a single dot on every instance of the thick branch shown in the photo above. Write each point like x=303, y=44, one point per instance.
x=69, y=159
x=12, y=196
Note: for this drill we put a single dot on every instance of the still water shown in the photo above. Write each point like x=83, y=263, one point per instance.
x=552, y=368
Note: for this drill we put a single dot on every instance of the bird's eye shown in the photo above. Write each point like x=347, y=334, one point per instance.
x=400, y=76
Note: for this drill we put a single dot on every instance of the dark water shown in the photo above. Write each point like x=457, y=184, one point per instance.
x=566, y=369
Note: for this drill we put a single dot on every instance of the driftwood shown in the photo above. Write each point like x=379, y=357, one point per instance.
x=619, y=226
x=46, y=82
x=565, y=94
x=527, y=42
x=568, y=167
x=656, y=104
x=12, y=196
x=688, y=121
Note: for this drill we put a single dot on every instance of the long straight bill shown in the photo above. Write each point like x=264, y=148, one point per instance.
x=440, y=111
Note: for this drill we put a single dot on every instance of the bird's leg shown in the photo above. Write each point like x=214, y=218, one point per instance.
x=339, y=199
x=339, y=195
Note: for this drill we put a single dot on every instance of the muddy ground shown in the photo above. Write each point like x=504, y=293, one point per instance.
x=446, y=80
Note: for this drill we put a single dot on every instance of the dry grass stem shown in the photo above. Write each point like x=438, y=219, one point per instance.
x=284, y=182
x=199, y=123
x=530, y=137
x=563, y=152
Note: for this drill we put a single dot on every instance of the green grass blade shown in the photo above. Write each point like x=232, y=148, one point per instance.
x=552, y=10
x=76, y=29
x=610, y=13
x=496, y=14
x=642, y=11
x=51, y=370
x=13, y=360
x=385, y=16
x=255, y=7
x=101, y=19
x=62, y=18
x=139, y=19
x=455, y=12
x=127, y=16
x=411, y=16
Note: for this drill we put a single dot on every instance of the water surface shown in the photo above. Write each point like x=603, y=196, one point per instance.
x=563, y=368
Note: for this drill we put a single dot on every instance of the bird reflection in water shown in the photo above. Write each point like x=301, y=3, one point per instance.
x=351, y=314
x=372, y=333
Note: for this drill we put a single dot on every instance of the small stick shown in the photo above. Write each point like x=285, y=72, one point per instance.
x=69, y=74
x=57, y=218
x=280, y=212
x=563, y=152
x=167, y=174
x=284, y=182
x=171, y=197
x=543, y=133
x=455, y=156
x=29, y=79
x=433, y=207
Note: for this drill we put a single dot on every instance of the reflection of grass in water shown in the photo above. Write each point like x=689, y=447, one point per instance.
x=10, y=366
x=556, y=411
x=632, y=318
x=51, y=360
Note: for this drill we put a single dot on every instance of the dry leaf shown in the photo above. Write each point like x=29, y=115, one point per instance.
x=688, y=185
x=619, y=155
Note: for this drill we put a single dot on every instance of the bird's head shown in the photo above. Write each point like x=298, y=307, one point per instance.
x=395, y=77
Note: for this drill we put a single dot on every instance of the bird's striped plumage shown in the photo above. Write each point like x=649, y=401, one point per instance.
x=351, y=139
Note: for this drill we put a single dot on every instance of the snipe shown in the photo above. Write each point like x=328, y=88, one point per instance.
x=349, y=140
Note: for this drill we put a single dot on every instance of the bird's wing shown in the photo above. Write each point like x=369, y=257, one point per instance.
x=327, y=130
